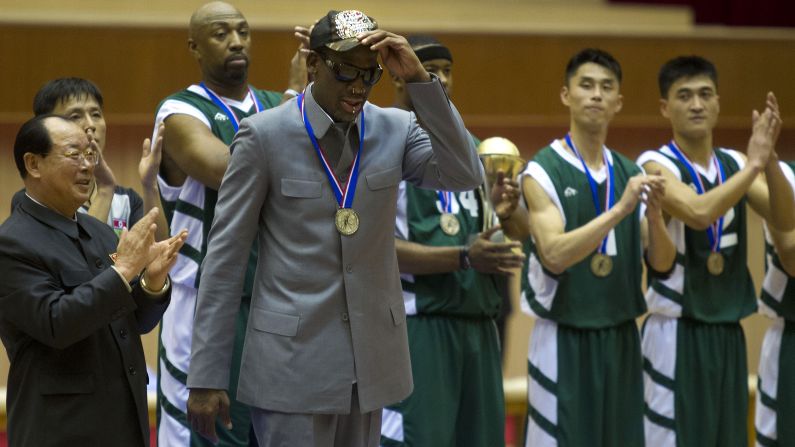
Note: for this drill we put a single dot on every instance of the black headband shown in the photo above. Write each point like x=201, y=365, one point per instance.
x=433, y=51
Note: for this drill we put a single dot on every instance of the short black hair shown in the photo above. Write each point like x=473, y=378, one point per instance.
x=596, y=56
x=33, y=137
x=62, y=89
x=684, y=67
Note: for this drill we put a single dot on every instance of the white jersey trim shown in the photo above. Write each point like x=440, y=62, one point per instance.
x=710, y=172
x=392, y=425
x=402, y=219
x=543, y=355
x=787, y=173
x=766, y=420
x=169, y=192
x=543, y=286
x=176, y=107
x=775, y=282
x=658, y=345
x=402, y=232
x=538, y=173
x=661, y=159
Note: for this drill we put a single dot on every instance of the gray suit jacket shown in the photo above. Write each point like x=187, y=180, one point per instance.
x=327, y=309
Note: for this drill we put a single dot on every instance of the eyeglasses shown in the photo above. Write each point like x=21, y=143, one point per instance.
x=77, y=156
x=348, y=73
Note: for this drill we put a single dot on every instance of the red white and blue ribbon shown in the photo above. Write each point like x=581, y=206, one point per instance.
x=343, y=192
x=715, y=230
x=228, y=110
x=609, y=193
x=446, y=199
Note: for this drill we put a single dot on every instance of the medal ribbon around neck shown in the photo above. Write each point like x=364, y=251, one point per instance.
x=715, y=230
x=344, y=194
x=446, y=199
x=228, y=110
x=609, y=193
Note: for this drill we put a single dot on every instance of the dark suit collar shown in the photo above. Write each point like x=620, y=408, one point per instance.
x=53, y=219
x=320, y=120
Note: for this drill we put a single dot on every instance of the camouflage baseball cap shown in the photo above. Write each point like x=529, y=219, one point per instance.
x=337, y=30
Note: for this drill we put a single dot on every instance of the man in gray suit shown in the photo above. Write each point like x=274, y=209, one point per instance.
x=316, y=180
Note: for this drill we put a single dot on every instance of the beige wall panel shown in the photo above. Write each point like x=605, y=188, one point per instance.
x=504, y=85
x=496, y=16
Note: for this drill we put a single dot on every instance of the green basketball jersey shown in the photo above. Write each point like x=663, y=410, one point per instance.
x=778, y=289
x=577, y=297
x=195, y=201
x=691, y=291
x=465, y=293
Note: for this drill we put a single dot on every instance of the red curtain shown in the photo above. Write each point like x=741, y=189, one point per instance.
x=780, y=13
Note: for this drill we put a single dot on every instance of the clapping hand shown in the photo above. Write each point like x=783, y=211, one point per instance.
x=151, y=155
x=504, y=195
x=165, y=256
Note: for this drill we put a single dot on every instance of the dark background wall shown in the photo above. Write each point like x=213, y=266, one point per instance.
x=733, y=12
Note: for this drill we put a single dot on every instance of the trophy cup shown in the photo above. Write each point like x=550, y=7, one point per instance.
x=497, y=154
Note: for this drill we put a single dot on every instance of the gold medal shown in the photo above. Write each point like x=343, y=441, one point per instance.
x=715, y=263
x=449, y=224
x=347, y=221
x=601, y=265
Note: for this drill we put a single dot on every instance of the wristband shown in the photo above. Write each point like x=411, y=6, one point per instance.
x=149, y=291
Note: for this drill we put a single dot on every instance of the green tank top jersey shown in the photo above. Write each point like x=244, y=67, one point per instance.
x=581, y=299
x=723, y=298
x=463, y=293
x=225, y=131
x=784, y=306
x=223, y=128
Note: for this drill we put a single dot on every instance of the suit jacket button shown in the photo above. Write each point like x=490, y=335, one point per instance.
x=345, y=316
x=98, y=263
x=132, y=370
x=123, y=333
x=348, y=268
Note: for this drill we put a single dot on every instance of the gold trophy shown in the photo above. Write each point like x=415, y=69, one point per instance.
x=497, y=154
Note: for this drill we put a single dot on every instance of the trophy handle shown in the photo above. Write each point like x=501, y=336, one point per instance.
x=488, y=210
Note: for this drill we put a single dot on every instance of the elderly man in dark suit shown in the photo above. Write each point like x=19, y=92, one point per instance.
x=74, y=299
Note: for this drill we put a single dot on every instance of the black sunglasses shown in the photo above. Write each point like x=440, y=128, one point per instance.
x=348, y=73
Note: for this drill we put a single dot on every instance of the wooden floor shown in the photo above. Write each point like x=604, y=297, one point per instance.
x=515, y=412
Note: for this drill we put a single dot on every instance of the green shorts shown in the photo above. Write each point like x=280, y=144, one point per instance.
x=696, y=383
x=585, y=386
x=173, y=427
x=458, y=399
